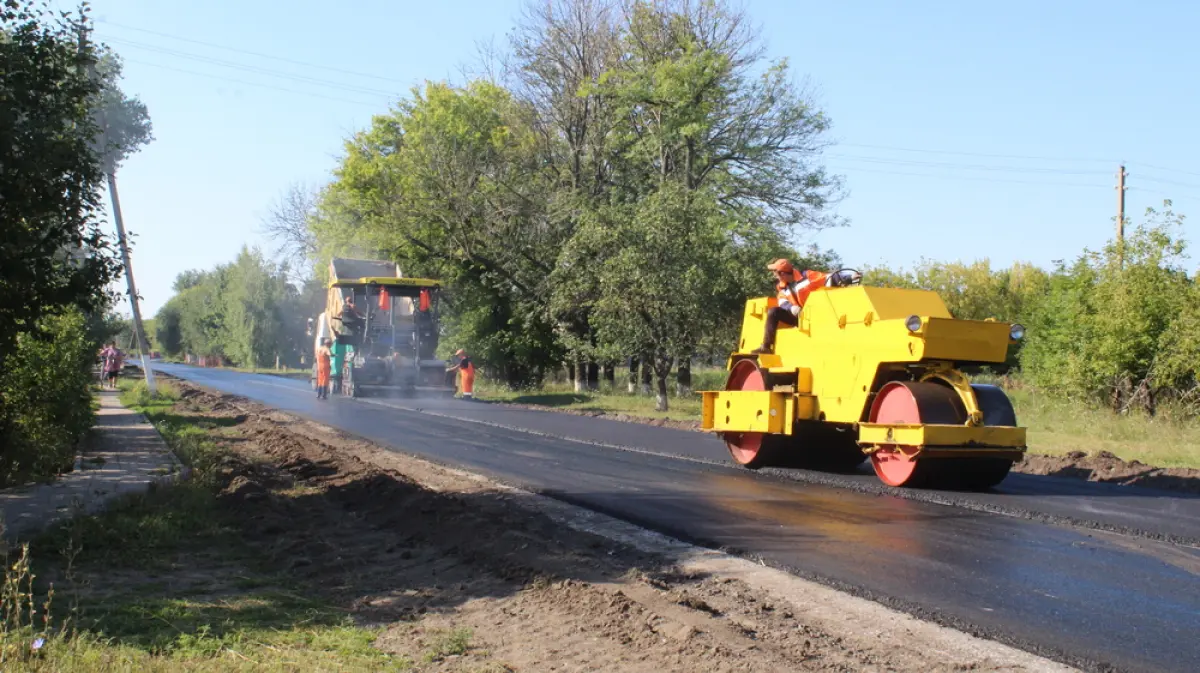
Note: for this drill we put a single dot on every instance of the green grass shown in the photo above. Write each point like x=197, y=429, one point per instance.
x=1056, y=426
x=446, y=644
x=609, y=399
x=164, y=582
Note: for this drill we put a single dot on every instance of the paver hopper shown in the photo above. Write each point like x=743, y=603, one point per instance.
x=871, y=372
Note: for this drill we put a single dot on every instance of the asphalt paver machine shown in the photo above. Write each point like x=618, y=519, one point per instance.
x=385, y=342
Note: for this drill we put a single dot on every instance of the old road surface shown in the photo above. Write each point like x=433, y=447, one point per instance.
x=1099, y=577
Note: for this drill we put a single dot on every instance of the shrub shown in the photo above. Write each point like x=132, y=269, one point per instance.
x=46, y=392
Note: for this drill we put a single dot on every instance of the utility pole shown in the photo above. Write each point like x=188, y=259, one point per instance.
x=138, y=328
x=1121, y=175
x=110, y=173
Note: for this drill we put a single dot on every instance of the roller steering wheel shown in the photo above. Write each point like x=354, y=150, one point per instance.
x=845, y=278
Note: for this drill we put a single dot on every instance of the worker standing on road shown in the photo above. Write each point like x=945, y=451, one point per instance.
x=792, y=290
x=466, y=369
x=324, y=366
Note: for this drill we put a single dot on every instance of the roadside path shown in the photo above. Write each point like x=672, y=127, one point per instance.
x=124, y=455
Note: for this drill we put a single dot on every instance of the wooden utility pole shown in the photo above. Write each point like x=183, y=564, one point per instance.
x=1121, y=175
x=138, y=328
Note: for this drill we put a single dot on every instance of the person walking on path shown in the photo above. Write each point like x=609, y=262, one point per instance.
x=324, y=366
x=112, y=359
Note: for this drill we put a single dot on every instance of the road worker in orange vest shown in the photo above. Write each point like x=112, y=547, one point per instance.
x=466, y=369
x=792, y=290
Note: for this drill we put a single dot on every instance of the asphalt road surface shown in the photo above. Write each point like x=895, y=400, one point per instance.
x=1101, y=577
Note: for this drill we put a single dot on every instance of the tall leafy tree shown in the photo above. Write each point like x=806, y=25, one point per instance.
x=560, y=51
x=55, y=262
x=52, y=252
x=449, y=185
x=715, y=168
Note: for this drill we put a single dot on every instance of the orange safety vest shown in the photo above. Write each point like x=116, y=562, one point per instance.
x=798, y=292
x=468, y=376
x=323, y=366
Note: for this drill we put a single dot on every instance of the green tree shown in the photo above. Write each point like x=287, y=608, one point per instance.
x=52, y=252
x=715, y=171
x=560, y=51
x=255, y=295
x=450, y=186
x=1099, y=330
x=55, y=262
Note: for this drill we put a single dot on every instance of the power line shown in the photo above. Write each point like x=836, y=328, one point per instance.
x=253, y=53
x=971, y=178
x=1011, y=169
x=976, y=154
x=1159, y=168
x=254, y=84
x=1169, y=182
x=1017, y=156
x=251, y=68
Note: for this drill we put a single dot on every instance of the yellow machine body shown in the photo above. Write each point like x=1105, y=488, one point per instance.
x=849, y=343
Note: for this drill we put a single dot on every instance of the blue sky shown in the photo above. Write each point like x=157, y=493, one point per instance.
x=964, y=130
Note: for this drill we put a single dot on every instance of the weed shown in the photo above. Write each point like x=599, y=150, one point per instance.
x=447, y=644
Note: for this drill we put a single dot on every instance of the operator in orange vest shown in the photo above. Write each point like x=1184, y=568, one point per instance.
x=792, y=290
x=467, y=369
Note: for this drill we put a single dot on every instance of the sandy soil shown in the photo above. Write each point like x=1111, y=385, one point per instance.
x=428, y=552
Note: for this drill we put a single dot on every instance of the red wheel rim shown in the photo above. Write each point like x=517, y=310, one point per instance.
x=744, y=446
x=909, y=402
x=894, y=404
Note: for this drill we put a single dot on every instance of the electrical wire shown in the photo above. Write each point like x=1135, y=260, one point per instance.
x=1159, y=168
x=1168, y=182
x=978, y=154
x=970, y=178
x=382, y=93
x=223, y=78
x=250, y=68
x=252, y=53
x=978, y=167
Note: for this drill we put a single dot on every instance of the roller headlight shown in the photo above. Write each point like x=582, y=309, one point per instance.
x=913, y=323
x=1017, y=332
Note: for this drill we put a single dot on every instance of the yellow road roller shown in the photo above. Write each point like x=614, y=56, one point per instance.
x=871, y=372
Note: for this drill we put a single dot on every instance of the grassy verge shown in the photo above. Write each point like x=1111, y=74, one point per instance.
x=610, y=399
x=164, y=582
x=1056, y=426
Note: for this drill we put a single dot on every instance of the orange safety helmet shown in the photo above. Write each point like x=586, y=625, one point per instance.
x=782, y=265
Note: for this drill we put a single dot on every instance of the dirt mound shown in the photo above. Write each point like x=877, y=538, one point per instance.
x=471, y=578
x=1108, y=468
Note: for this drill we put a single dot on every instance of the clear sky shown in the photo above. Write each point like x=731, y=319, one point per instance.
x=965, y=130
